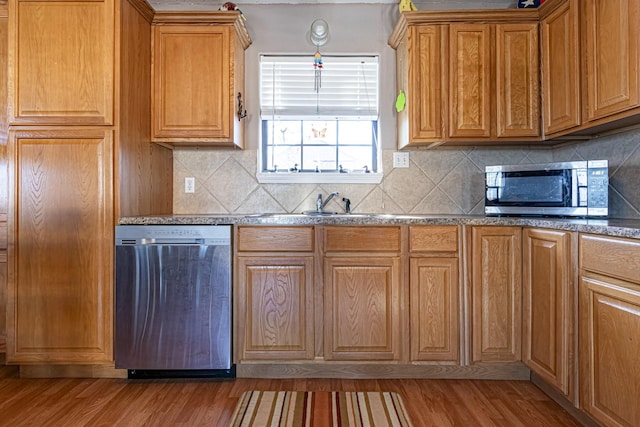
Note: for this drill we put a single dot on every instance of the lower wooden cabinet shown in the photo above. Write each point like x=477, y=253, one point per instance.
x=3, y=298
x=362, y=308
x=60, y=294
x=496, y=291
x=274, y=308
x=434, y=293
x=277, y=310
x=548, y=306
x=609, y=329
x=434, y=311
x=362, y=292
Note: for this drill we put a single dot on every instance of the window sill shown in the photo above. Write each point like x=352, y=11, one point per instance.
x=319, y=178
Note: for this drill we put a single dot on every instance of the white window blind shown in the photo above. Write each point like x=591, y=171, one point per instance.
x=349, y=88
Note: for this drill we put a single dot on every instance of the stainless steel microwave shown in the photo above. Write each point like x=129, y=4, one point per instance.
x=573, y=189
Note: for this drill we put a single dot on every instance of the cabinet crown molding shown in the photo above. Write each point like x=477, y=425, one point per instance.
x=233, y=18
x=487, y=16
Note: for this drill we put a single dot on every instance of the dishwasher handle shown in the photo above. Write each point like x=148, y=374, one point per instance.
x=172, y=241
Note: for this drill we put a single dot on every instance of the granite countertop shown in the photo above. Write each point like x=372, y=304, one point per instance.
x=610, y=227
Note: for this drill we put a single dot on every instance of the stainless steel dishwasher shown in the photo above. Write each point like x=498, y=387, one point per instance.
x=173, y=301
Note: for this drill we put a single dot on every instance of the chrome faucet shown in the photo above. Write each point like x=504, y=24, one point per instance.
x=320, y=205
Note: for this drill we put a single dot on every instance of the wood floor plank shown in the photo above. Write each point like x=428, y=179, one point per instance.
x=122, y=402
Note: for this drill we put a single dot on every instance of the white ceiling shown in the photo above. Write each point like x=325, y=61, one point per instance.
x=421, y=4
x=241, y=2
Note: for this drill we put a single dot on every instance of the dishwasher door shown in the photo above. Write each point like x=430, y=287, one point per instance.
x=173, y=300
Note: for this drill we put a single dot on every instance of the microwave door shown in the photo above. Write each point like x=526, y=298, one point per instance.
x=546, y=188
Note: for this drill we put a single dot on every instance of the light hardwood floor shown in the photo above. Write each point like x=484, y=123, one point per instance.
x=121, y=402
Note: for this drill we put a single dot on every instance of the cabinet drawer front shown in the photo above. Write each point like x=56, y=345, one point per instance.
x=362, y=239
x=611, y=256
x=275, y=239
x=433, y=238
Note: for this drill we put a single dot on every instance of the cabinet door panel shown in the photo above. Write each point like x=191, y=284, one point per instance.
x=276, y=313
x=192, y=76
x=434, y=309
x=61, y=285
x=609, y=348
x=548, y=305
x=612, y=56
x=3, y=300
x=560, y=51
x=470, y=85
x=362, y=308
x=425, y=74
x=496, y=294
x=62, y=67
x=517, y=88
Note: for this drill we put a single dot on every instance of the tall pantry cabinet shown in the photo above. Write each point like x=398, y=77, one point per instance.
x=4, y=15
x=79, y=157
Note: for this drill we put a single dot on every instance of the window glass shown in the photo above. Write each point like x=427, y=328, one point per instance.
x=327, y=127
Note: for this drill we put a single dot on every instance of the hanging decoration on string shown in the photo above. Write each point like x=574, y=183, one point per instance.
x=317, y=64
x=319, y=34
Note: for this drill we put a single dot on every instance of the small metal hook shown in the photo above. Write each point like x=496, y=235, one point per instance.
x=241, y=112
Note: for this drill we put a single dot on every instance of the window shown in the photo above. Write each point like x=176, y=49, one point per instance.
x=330, y=130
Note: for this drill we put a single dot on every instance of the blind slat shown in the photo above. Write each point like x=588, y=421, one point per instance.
x=349, y=87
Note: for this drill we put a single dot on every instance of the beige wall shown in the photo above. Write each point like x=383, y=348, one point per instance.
x=440, y=181
x=623, y=152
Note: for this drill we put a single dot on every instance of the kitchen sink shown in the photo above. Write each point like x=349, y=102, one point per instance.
x=323, y=214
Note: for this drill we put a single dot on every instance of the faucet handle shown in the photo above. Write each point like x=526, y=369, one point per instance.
x=347, y=205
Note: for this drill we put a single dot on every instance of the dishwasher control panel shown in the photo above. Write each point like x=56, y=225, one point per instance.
x=173, y=234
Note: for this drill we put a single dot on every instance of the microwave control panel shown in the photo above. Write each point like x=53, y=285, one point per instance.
x=598, y=187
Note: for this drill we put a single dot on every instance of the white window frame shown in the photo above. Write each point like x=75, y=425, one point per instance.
x=366, y=111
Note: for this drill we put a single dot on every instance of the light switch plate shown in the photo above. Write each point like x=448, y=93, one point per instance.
x=400, y=159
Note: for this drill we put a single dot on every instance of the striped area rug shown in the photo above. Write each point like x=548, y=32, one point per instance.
x=319, y=409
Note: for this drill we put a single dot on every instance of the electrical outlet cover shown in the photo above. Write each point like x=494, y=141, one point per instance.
x=189, y=184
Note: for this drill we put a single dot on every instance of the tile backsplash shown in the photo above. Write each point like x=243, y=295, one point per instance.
x=438, y=181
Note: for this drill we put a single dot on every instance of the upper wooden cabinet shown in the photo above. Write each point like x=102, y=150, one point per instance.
x=470, y=81
x=513, y=79
x=419, y=62
x=481, y=70
x=590, y=56
x=611, y=57
x=61, y=67
x=560, y=58
x=467, y=76
x=517, y=81
x=198, y=78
